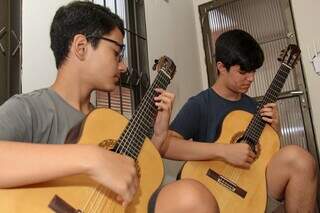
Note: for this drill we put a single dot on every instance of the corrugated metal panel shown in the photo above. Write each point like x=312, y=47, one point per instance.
x=266, y=73
x=261, y=18
x=292, y=127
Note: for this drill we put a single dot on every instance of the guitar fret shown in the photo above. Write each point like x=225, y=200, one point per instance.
x=141, y=123
x=256, y=125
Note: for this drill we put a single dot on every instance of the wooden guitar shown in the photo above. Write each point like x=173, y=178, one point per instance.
x=112, y=131
x=235, y=189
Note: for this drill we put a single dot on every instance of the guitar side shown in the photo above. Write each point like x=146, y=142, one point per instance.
x=76, y=190
x=242, y=190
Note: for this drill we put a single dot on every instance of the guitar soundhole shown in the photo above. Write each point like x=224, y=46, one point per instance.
x=237, y=138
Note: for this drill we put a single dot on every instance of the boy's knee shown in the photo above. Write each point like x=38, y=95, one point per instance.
x=300, y=160
x=188, y=195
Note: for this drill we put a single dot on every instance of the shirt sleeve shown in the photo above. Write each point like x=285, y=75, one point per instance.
x=15, y=120
x=187, y=121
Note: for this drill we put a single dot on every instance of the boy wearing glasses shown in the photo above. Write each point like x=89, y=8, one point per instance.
x=87, y=42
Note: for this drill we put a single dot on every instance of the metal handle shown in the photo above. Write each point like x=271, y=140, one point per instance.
x=2, y=33
x=296, y=92
x=302, y=98
x=3, y=30
x=18, y=45
x=2, y=49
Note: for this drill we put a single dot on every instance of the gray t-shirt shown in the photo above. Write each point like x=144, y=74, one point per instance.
x=41, y=116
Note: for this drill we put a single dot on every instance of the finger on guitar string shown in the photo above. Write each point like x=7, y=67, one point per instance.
x=116, y=172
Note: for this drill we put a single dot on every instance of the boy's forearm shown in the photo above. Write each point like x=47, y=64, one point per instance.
x=25, y=163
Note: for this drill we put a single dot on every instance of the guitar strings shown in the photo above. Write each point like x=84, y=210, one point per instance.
x=272, y=93
x=99, y=192
x=148, y=98
x=127, y=136
x=134, y=132
x=108, y=194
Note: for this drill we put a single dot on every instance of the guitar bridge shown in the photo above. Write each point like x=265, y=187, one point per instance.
x=225, y=182
x=58, y=205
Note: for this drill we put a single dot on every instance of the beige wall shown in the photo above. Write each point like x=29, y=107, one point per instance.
x=38, y=66
x=306, y=16
x=171, y=31
x=204, y=76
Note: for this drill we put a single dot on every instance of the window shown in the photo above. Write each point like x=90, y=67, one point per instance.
x=135, y=82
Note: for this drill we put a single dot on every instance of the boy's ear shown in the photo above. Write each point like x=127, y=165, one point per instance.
x=221, y=68
x=79, y=46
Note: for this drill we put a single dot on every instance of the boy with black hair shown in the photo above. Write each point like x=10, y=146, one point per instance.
x=87, y=42
x=291, y=174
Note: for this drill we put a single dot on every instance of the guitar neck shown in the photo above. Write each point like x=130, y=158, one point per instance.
x=141, y=124
x=256, y=126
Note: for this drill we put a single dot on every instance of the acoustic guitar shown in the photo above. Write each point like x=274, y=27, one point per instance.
x=110, y=130
x=244, y=190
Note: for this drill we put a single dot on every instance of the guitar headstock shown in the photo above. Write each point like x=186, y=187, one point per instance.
x=166, y=65
x=290, y=55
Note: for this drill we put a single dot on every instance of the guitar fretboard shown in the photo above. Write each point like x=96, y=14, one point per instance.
x=256, y=126
x=140, y=125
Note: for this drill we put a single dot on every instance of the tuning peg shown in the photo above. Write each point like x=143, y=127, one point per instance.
x=156, y=61
x=280, y=58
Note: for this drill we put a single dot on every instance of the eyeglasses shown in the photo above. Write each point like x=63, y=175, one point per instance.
x=121, y=46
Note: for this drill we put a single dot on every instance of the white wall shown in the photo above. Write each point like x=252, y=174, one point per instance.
x=201, y=53
x=306, y=15
x=38, y=65
x=171, y=31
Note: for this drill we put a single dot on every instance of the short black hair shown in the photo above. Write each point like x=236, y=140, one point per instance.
x=80, y=17
x=237, y=47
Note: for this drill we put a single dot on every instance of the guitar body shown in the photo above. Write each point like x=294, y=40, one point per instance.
x=76, y=191
x=235, y=189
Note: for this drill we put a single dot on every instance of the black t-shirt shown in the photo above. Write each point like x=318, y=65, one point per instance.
x=201, y=117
